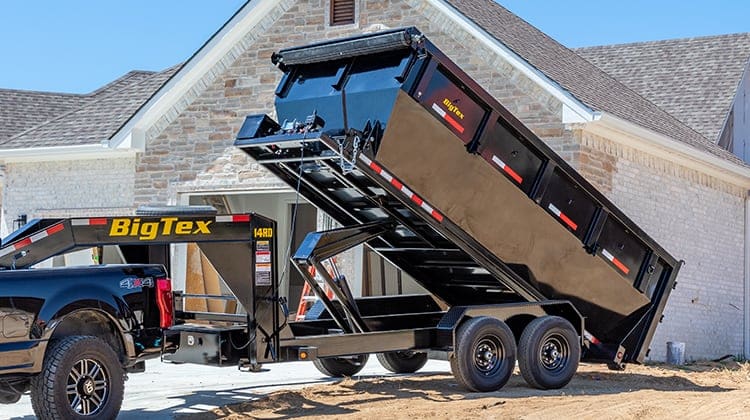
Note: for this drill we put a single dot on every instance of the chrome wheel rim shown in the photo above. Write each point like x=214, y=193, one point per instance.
x=87, y=387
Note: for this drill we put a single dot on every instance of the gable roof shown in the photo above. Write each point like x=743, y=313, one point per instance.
x=694, y=79
x=585, y=81
x=95, y=117
x=21, y=110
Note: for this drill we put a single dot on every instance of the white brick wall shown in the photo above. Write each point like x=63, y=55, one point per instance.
x=68, y=188
x=696, y=219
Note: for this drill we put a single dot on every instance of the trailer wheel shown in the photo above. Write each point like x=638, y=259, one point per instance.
x=337, y=367
x=548, y=352
x=485, y=354
x=402, y=361
x=81, y=378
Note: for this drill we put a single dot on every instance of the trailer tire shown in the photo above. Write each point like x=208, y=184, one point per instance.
x=548, y=352
x=338, y=367
x=81, y=378
x=176, y=211
x=402, y=361
x=485, y=354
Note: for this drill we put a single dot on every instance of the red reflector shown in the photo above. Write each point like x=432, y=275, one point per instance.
x=418, y=201
x=568, y=222
x=395, y=182
x=54, y=229
x=98, y=221
x=22, y=243
x=454, y=123
x=241, y=218
x=437, y=216
x=374, y=166
x=620, y=265
x=164, y=302
x=513, y=174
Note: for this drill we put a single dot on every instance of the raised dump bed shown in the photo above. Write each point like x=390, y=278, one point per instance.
x=385, y=128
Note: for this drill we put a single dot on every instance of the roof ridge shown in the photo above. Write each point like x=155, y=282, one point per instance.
x=73, y=111
x=125, y=76
x=43, y=92
x=664, y=41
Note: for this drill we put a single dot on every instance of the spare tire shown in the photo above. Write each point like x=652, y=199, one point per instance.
x=176, y=211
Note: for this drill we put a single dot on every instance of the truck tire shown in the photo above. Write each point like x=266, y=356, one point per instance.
x=81, y=378
x=175, y=211
x=548, y=352
x=337, y=367
x=485, y=354
x=402, y=361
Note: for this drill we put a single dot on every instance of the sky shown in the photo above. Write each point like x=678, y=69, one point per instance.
x=77, y=46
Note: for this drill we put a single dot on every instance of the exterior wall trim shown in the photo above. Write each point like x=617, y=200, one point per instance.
x=632, y=135
x=577, y=110
x=56, y=153
x=217, y=47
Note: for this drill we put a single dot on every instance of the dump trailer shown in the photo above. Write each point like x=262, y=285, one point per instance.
x=523, y=259
x=388, y=136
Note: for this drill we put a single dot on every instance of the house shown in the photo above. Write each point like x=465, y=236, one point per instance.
x=167, y=138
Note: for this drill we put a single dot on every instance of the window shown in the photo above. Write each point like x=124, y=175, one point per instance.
x=342, y=12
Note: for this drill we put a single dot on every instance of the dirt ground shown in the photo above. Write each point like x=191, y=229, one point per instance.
x=696, y=391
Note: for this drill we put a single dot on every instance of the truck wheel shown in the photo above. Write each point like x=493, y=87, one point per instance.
x=548, y=352
x=402, y=361
x=337, y=367
x=81, y=378
x=485, y=354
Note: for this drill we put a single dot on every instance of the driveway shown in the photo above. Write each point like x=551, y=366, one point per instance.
x=166, y=390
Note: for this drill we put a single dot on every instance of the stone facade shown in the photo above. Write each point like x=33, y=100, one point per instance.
x=194, y=152
x=697, y=218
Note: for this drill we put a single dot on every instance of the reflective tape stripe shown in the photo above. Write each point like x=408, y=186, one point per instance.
x=448, y=118
x=401, y=187
x=33, y=238
x=507, y=169
x=562, y=216
x=439, y=110
x=615, y=261
x=97, y=221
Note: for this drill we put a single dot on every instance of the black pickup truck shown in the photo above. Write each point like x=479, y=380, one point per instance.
x=70, y=335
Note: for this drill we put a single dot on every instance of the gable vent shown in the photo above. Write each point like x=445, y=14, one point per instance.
x=342, y=12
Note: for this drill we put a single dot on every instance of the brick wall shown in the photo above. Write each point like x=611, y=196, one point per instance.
x=68, y=188
x=697, y=219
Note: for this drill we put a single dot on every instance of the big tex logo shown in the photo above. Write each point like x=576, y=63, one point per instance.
x=147, y=231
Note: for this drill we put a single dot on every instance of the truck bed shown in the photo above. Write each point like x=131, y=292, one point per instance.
x=385, y=127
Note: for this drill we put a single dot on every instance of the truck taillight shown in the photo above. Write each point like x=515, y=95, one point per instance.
x=164, y=302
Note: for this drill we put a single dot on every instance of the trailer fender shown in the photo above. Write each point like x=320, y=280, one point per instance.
x=516, y=315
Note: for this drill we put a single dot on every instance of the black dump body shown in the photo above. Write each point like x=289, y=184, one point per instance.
x=385, y=128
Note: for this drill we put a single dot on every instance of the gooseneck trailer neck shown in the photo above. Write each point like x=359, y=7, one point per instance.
x=386, y=134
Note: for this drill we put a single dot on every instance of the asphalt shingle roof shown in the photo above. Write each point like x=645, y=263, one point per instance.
x=100, y=116
x=585, y=81
x=21, y=110
x=694, y=79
